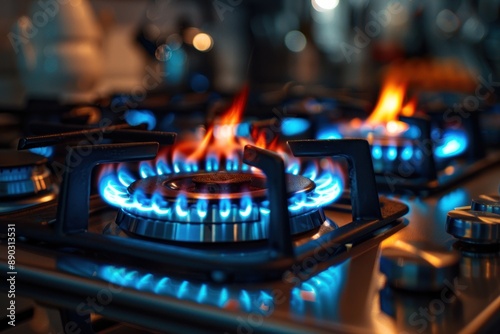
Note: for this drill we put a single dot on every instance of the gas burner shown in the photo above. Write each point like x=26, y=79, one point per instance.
x=212, y=207
x=25, y=180
x=418, y=154
x=202, y=189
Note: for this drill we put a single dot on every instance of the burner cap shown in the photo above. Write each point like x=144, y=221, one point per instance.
x=221, y=182
x=215, y=186
x=223, y=177
x=23, y=173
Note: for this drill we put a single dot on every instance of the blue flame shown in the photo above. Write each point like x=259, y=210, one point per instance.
x=201, y=293
x=392, y=153
x=453, y=143
x=125, y=177
x=329, y=133
x=224, y=207
x=377, y=152
x=243, y=130
x=456, y=198
x=181, y=164
x=310, y=172
x=329, y=185
x=407, y=153
x=320, y=293
x=294, y=126
x=137, y=117
x=162, y=167
x=212, y=163
x=146, y=170
x=46, y=151
x=181, y=206
x=202, y=208
x=293, y=168
x=246, y=206
x=232, y=164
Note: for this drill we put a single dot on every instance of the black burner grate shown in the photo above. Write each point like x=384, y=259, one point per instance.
x=70, y=228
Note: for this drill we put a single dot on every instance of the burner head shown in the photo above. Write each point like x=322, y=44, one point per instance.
x=221, y=182
x=211, y=207
x=214, y=186
x=24, y=177
x=23, y=173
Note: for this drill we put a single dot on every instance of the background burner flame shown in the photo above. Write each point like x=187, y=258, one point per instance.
x=391, y=139
x=389, y=106
x=389, y=103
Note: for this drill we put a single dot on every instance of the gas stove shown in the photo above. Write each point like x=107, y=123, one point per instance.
x=245, y=235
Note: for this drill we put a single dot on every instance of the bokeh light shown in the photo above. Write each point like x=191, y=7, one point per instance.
x=203, y=42
x=295, y=41
x=324, y=5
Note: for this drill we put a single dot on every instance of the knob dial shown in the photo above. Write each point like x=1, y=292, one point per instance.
x=477, y=227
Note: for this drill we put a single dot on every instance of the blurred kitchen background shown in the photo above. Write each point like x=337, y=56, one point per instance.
x=201, y=46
